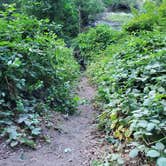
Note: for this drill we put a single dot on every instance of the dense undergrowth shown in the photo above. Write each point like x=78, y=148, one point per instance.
x=130, y=75
x=89, y=45
x=37, y=72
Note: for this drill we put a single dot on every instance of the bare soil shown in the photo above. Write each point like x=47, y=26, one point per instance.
x=77, y=143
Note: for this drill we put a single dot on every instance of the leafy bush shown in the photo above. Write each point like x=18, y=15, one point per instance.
x=56, y=11
x=89, y=44
x=36, y=75
x=71, y=15
x=147, y=18
x=131, y=91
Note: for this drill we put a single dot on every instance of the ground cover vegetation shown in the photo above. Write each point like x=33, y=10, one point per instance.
x=129, y=68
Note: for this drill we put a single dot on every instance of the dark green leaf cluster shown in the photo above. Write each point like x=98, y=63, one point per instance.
x=71, y=15
x=90, y=44
x=63, y=12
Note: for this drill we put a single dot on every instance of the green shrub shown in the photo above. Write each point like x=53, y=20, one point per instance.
x=36, y=76
x=89, y=44
x=147, y=19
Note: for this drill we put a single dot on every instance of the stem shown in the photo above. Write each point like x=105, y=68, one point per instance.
x=151, y=143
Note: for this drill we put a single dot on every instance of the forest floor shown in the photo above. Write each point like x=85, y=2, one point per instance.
x=77, y=143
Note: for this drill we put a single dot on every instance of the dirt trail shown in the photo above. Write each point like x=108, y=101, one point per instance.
x=76, y=146
x=103, y=20
x=113, y=19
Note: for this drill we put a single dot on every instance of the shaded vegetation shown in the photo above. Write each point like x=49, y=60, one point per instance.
x=90, y=44
x=71, y=16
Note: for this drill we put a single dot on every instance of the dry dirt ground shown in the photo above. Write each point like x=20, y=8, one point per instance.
x=76, y=145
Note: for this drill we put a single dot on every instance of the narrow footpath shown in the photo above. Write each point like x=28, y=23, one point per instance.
x=76, y=145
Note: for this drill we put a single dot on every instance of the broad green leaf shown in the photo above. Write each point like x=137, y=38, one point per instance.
x=159, y=146
x=23, y=118
x=142, y=123
x=12, y=131
x=150, y=126
x=153, y=153
x=161, y=161
x=36, y=131
x=165, y=151
x=120, y=161
x=134, y=153
x=113, y=116
x=16, y=62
